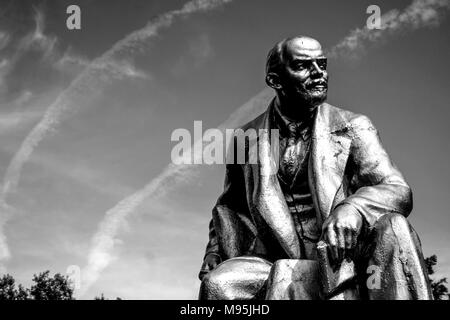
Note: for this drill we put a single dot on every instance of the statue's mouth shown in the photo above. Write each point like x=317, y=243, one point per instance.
x=318, y=85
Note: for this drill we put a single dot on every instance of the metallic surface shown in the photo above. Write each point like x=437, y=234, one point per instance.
x=292, y=279
x=253, y=228
x=251, y=218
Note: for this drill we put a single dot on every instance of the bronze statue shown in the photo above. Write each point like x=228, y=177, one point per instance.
x=336, y=207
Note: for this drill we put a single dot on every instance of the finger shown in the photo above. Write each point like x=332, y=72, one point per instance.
x=354, y=243
x=355, y=238
x=325, y=226
x=348, y=239
x=332, y=241
x=341, y=243
x=202, y=274
x=349, y=244
x=203, y=271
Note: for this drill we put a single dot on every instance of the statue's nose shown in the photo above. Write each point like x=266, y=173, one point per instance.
x=316, y=69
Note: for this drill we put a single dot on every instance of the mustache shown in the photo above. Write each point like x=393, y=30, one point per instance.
x=318, y=82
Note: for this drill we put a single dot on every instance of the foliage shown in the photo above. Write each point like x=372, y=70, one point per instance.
x=48, y=288
x=102, y=297
x=438, y=287
x=44, y=288
x=8, y=289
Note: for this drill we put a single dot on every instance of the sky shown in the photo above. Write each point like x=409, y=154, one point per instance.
x=91, y=185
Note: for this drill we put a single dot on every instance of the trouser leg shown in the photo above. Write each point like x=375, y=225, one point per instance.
x=241, y=278
x=293, y=279
x=392, y=257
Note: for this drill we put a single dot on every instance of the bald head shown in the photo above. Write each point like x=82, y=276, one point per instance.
x=301, y=46
x=297, y=70
x=305, y=46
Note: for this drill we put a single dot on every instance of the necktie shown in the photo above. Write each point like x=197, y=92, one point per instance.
x=294, y=154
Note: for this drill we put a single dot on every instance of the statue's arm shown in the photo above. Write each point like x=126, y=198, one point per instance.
x=378, y=186
x=212, y=257
x=228, y=228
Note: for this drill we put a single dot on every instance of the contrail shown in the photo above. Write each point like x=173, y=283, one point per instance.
x=101, y=253
x=418, y=14
x=103, y=69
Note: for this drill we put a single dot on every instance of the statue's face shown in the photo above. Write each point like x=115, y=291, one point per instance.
x=304, y=76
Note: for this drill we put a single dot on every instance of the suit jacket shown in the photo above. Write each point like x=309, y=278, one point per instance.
x=347, y=164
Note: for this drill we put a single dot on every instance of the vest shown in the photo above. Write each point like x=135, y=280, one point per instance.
x=292, y=174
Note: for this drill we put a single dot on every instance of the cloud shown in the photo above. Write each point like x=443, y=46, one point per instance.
x=84, y=175
x=124, y=68
x=419, y=14
x=23, y=98
x=12, y=121
x=199, y=51
x=38, y=40
x=4, y=40
x=5, y=68
x=119, y=68
x=71, y=63
x=35, y=41
x=201, y=48
x=109, y=66
x=103, y=69
x=152, y=279
x=105, y=239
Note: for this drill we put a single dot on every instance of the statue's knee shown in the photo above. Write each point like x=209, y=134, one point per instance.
x=210, y=285
x=394, y=221
x=237, y=278
x=215, y=286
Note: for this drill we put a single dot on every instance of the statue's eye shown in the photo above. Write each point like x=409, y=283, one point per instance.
x=322, y=63
x=299, y=65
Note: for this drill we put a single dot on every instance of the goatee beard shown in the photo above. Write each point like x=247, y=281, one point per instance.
x=311, y=100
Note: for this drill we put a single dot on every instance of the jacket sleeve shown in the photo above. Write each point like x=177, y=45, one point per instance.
x=232, y=231
x=377, y=186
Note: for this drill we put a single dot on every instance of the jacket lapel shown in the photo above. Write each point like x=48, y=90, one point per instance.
x=329, y=153
x=330, y=148
x=268, y=199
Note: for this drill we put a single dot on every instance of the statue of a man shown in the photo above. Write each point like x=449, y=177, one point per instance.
x=335, y=182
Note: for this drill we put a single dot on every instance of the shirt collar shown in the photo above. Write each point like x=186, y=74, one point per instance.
x=289, y=127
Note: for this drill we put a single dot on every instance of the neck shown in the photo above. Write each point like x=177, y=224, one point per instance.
x=295, y=110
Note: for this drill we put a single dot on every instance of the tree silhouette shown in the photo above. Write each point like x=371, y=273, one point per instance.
x=22, y=293
x=440, y=291
x=44, y=288
x=8, y=288
x=102, y=297
x=48, y=288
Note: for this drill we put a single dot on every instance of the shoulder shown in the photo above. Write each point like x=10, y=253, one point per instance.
x=351, y=121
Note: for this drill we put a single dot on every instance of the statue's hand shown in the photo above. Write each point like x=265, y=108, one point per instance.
x=340, y=230
x=211, y=261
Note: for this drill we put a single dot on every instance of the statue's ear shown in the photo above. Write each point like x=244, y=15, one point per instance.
x=273, y=81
